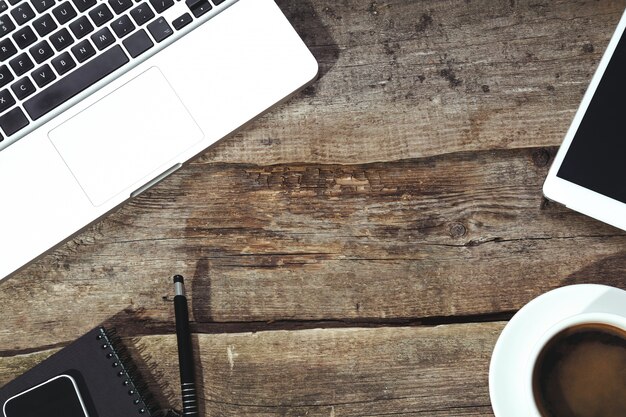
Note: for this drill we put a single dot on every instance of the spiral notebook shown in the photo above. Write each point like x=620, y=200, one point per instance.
x=104, y=374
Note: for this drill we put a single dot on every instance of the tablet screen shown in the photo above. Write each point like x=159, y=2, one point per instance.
x=596, y=158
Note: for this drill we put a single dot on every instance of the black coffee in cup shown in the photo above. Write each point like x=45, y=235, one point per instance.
x=581, y=372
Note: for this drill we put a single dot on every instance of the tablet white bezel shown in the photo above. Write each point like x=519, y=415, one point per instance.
x=574, y=196
x=80, y=398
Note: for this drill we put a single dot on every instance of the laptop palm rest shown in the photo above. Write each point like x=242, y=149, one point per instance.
x=127, y=138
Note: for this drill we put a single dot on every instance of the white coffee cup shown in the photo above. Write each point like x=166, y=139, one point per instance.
x=516, y=351
x=614, y=320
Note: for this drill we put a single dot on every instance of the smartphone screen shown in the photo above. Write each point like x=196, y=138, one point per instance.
x=596, y=158
x=58, y=397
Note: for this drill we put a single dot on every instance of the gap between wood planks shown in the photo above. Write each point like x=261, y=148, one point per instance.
x=138, y=329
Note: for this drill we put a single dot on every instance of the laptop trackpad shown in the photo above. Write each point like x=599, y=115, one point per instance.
x=127, y=138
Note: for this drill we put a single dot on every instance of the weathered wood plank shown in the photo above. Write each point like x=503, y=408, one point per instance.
x=405, y=371
x=406, y=79
x=456, y=235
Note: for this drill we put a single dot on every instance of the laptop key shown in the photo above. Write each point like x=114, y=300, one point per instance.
x=160, y=29
x=142, y=13
x=83, y=5
x=43, y=75
x=198, y=7
x=6, y=25
x=41, y=51
x=23, y=88
x=63, y=63
x=101, y=14
x=138, y=43
x=81, y=27
x=42, y=5
x=64, y=13
x=182, y=21
x=23, y=13
x=102, y=38
x=44, y=24
x=13, y=2
x=202, y=8
x=7, y=49
x=21, y=64
x=13, y=121
x=6, y=100
x=61, y=39
x=24, y=37
x=122, y=26
x=120, y=6
x=161, y=5
x=83, y=50
x=3, y=6
x=5, y=76
x=67, y=87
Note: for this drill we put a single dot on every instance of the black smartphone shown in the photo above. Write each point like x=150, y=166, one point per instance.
x=57, y=397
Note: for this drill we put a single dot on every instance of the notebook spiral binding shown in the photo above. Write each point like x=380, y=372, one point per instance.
x=121, y=363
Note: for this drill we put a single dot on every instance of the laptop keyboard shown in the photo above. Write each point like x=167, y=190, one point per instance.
x=52, y=50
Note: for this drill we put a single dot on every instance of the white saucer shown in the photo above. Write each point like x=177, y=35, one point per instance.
x=507, y=387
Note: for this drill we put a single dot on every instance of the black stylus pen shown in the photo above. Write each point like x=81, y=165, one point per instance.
x=185, y=353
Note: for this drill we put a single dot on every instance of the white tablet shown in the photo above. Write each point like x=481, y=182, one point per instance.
x=589, y=172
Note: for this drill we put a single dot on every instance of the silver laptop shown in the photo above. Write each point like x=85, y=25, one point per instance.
x=100, y=99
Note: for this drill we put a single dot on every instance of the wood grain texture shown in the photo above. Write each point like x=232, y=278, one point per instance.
x=407, y=79
x=320, y=243
x=432, y=371
x=455, y=235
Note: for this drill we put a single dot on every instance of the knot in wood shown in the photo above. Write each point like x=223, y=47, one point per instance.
x=541, y=158
x=457, y=230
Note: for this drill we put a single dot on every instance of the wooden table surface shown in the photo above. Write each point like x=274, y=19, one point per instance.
x=356, y=251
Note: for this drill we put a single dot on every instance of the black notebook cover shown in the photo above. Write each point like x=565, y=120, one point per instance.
x=106, y=378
